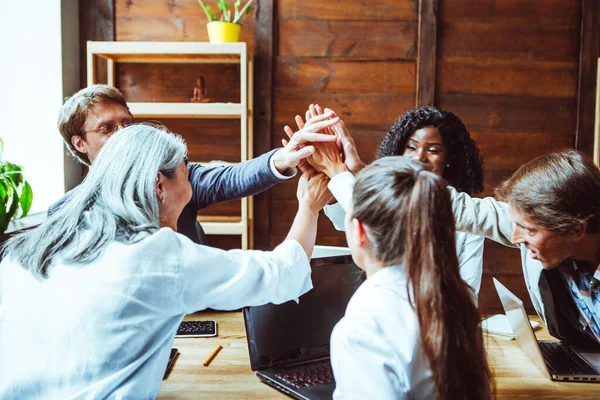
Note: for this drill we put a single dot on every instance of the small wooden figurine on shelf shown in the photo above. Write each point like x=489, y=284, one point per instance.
x=199, y=95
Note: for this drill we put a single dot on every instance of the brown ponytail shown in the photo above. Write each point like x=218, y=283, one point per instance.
x=408, y=217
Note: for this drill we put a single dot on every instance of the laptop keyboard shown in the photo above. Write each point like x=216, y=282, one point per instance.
x=563, y=359
x=311, y=375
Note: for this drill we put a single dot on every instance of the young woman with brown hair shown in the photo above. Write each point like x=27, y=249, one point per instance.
x=411, y=330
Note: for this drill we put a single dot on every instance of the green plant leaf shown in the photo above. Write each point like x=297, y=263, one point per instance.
x=210, y=14
x=26, y=198
x=12, y=172
x=223, y=6
x=245, y=10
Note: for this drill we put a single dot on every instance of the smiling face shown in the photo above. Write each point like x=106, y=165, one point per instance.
x=426, y=145
x=549, y=247
x=101, y=122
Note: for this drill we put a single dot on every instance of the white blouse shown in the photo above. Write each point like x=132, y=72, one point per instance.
x=105, y=329
x=469, y=248
x=376, y=350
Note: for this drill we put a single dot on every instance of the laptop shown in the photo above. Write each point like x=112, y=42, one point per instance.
x=559, y=361
x=289, y=343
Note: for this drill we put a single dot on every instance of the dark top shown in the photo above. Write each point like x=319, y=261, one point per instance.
x=215, y=185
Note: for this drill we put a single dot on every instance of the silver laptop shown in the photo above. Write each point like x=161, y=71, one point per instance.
x=559, y=361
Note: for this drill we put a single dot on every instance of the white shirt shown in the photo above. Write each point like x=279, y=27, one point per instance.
x=105, y=329
x=469, y=248
x=376, y=350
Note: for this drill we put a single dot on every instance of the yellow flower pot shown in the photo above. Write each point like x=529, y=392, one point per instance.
x=222, y=31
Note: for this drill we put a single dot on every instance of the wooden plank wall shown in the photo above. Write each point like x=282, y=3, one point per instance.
x=355, y=57
x=508, y=68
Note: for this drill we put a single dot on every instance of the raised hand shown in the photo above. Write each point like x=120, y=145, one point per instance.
x=312, y=190
x=326, y=157
x=346, y=143
x=299, y=146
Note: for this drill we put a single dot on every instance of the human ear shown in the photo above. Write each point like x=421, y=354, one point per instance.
x=360, y=236
x=160, y=187
x=79, y=143
x=579, y=231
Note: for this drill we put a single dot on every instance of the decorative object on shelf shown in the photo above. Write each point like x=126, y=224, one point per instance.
x=226, y=28
x=16, y=194
x=199, y=95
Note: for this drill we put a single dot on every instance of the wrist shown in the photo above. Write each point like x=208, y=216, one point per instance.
x=357, y=168
x=278, y=162
x=308, y=209
x=336, y=169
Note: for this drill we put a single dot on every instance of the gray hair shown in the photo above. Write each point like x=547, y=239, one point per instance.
x=116, y=201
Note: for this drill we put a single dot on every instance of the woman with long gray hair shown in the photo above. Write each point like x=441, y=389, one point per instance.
x=98, y=290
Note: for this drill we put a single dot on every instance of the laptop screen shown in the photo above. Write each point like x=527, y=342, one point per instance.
x=280, y=334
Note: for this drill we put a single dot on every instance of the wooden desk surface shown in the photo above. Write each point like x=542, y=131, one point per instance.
x=229, y=375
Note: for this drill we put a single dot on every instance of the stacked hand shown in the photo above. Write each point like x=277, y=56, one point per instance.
x=328, y=158
x=312, y=190
x=303, y=142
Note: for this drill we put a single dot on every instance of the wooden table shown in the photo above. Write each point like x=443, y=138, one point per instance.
x=229, y=375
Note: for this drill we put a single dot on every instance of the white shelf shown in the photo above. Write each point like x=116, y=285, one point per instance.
x=200, y=53
x=186, y=110
x=168, y=52
x=224, y=228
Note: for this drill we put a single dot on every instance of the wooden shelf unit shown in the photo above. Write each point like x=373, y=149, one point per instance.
x=196, y=53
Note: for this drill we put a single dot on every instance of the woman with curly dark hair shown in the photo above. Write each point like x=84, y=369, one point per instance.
x=434, y=137
x=438, y=138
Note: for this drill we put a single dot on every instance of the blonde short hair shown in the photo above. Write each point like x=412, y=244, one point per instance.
x=75, y=110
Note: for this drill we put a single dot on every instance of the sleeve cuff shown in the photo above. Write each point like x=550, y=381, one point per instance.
x=342, y=186
x=287, y=174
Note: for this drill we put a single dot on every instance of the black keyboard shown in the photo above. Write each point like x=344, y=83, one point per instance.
x=310, y=375
x=196, y=328
x=564, y=360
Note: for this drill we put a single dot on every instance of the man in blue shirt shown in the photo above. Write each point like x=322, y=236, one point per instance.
x=89, y=117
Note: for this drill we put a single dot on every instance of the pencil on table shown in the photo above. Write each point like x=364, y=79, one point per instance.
x=212, y=355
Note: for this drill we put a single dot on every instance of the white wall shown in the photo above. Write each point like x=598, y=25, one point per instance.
x=31, y=78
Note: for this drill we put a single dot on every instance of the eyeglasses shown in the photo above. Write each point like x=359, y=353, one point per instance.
x=109, y=129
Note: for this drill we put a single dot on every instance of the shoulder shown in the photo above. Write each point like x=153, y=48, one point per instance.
x=466, y=240
x=56, y=205
x=160, y=244
x=378, y=306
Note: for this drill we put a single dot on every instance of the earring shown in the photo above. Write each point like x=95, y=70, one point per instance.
x=447, y=165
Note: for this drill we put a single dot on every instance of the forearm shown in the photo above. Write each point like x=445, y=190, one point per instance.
x=215, y=185
x=304, y=229
x=483, y=217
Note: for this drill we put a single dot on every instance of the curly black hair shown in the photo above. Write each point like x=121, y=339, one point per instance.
x=465, y=172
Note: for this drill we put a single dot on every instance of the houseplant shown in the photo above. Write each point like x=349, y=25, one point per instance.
x=15, y=192
x=226, y=28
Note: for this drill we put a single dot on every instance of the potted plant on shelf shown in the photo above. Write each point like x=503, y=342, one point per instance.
x=226, y=28
x=16, y=195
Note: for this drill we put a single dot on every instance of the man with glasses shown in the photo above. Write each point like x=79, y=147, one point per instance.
x=89, y=118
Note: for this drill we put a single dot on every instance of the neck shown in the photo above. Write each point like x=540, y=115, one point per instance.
x=371, y=265
x=587, y=250
x=166, y=223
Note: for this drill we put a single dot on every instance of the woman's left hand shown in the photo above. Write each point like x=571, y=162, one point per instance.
x=312, y=190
